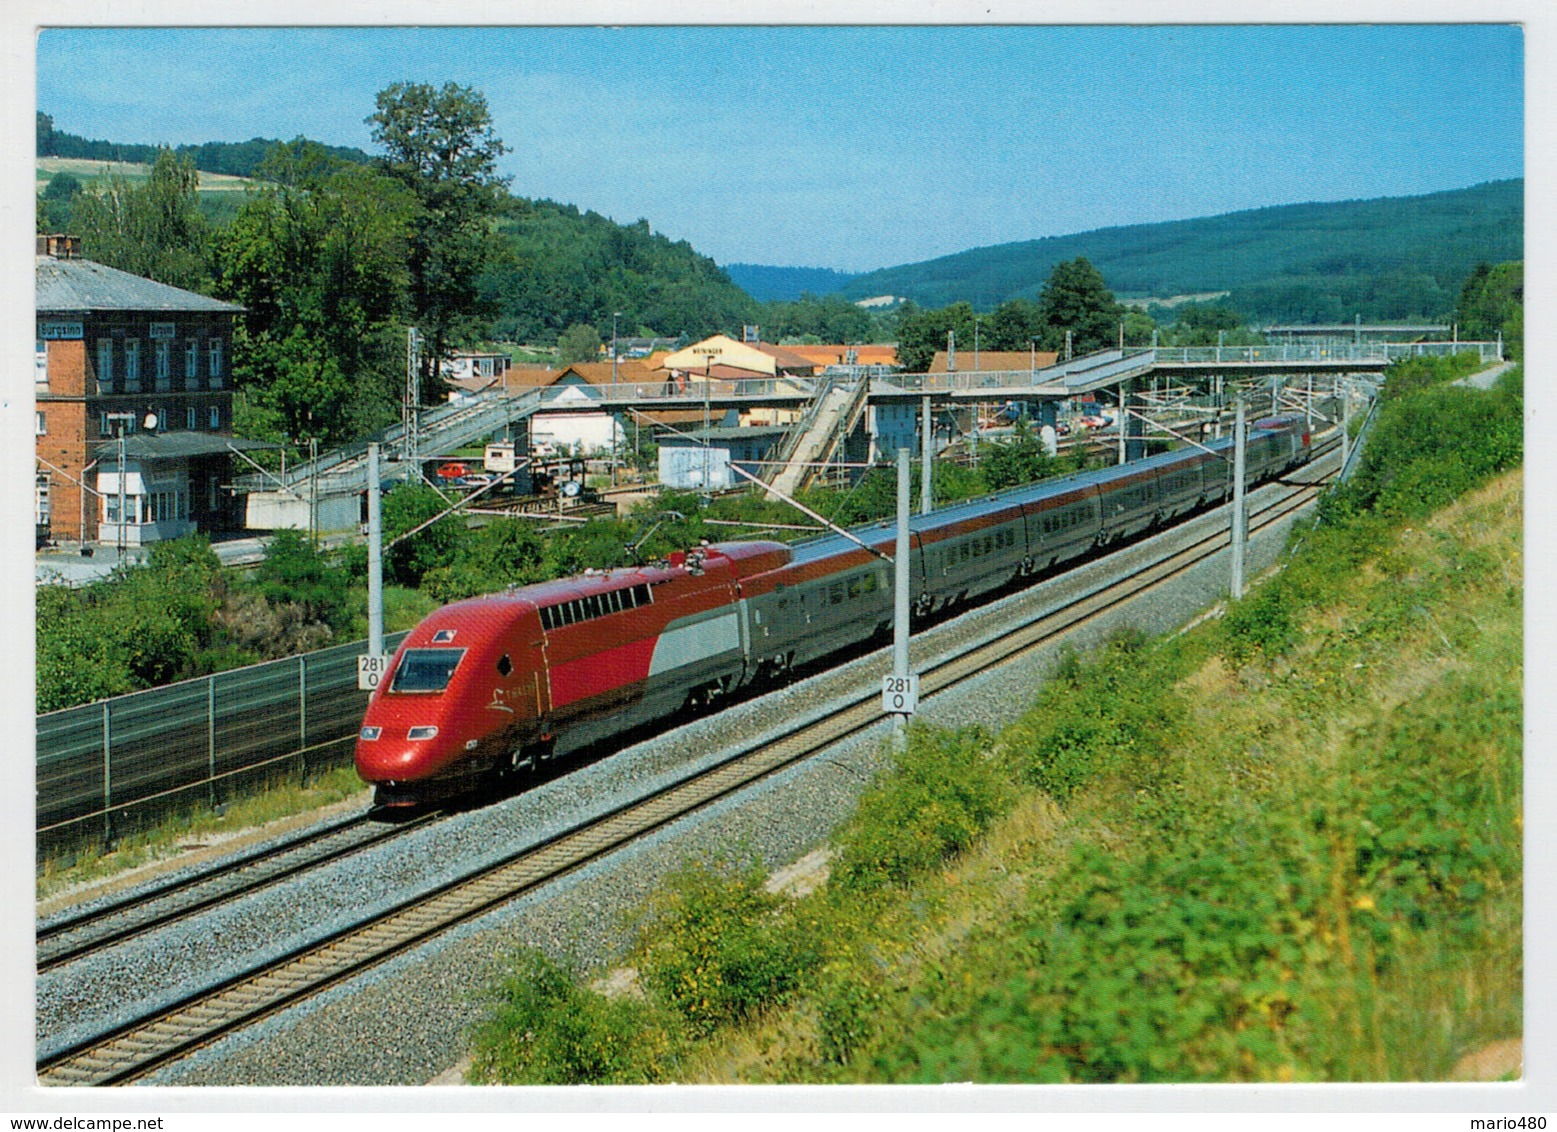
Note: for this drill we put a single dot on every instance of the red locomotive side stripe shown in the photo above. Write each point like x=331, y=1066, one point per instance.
x=600, y=673
x=607, y=703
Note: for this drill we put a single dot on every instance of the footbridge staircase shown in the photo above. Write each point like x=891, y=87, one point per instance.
x=813, y=439
x=440, y=430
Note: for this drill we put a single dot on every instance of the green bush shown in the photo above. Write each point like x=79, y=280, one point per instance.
x=1263, y=622
x=1433, y=837
x=1167, y=968
x=717, y=948
x=1431, y=446
x=546, y=1029
x=490, y=558
x=1113, y=712
x=296, y=572
x=1409, y=375
x=849, y=1002
x=943, y=791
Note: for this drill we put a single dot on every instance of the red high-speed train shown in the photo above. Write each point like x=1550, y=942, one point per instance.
x=510, y=679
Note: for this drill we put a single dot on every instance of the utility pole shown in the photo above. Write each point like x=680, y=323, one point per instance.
x=926, y=458
x=413, y=394
x=708, y=369
x=372, y=667
x=900, y=691
x=1120, y=422
x=1346, y=420
x=313, y=492
x=614, y=316
x=121, y=419
x=1240, y=520
x=375, y=558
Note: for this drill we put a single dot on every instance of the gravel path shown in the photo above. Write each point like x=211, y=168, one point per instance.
x=407, y=1022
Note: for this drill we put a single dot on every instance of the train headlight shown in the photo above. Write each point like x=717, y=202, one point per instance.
x=421, y=733
x=370, y=733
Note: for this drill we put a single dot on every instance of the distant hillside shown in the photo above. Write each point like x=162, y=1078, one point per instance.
x=1394, y=257
x=237, y=159
x=560, y=267
x=785, y=284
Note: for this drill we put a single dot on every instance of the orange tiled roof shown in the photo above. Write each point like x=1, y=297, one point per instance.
x=826, y=355
x=786, y=357
x=994, y=360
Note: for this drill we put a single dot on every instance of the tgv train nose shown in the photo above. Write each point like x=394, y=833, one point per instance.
x=381, y=762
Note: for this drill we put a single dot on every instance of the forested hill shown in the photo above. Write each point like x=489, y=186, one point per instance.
x=238, y=159
x=786, y=284
x=1393, y=257
x=559, y=267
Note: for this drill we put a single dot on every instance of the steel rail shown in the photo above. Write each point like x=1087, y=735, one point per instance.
x=63, y=940
x=136, y=1048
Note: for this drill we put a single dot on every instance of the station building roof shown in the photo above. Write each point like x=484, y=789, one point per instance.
x=172, y=445
x=68, y=285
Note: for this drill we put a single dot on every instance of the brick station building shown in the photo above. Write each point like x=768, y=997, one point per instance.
x=118, y=352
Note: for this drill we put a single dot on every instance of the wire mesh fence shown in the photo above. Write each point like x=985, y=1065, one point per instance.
x=109, y=768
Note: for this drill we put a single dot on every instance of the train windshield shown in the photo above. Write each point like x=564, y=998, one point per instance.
x=426, y=670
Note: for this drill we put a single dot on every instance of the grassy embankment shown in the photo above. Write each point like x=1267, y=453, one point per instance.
x=1283, y=846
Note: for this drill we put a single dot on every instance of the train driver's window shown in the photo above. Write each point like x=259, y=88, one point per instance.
x=426, y=670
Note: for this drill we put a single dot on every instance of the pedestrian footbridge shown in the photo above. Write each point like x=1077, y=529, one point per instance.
x=830, y=406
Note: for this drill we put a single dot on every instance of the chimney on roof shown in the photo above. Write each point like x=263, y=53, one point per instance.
x=60, y=247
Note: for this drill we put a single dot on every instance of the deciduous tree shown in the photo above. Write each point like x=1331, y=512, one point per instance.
x=155, y=230
x=317, y=260
x=1076, y=299
x=920, y=335
x=578, y=343
x=440, y=144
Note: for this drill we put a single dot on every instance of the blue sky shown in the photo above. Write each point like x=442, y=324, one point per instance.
x=858, y=147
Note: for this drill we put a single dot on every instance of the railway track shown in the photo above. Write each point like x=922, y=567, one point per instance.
x=139, y=1047
x=73, y=937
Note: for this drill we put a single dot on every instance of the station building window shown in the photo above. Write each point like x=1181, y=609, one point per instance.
x=167, y=506
x=105, y=365
x=132, y=365
x=162, y=351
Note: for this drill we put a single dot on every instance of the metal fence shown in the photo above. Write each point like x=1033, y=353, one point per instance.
x=1326, y=352
x=111, y=767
